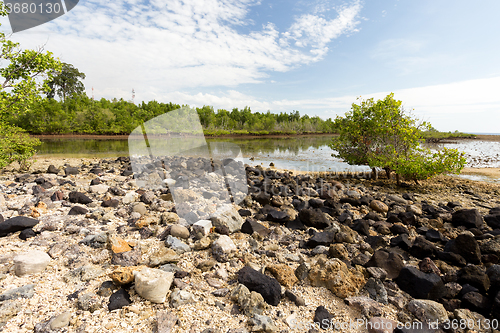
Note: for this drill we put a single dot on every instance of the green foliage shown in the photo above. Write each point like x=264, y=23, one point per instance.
x=433, y=135
x=25, y=74
x=424, y=164
x=66, y=82
x=16, y=146
x=381, y=134
x=82, y=115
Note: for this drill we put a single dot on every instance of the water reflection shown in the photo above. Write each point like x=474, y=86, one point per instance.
x=305, y=153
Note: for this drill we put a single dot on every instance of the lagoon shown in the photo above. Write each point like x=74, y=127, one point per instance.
x=302, y=153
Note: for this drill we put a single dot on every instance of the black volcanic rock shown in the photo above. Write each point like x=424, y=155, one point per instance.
x=474, y=276
x=452, y=258
x=321, y=238
x=277, y=216
x=27, y=233
x=389, y=261
x=399, y=229
x=407, y=218
x=119, y=299
x=493, y=220
x=466, y=246
x=493, y=273
x=268, y=287
x=78, y=197
x=419, y=284
x=15, y=224
x=78, y=210
x=250, y=226
x=422, y=248
x=495, y=210
x=110, y=203
x=71, y=171
x=474, y=301
x=52, y=169
x=401, y=241
x=314, y=218
x=322, y=316
x=352, y=201
x=469, y=218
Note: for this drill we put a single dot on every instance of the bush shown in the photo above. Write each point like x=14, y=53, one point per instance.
x=380, y=134
x=16, y=146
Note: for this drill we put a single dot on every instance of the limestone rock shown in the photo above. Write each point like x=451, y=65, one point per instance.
x=223, y=247
x=26, y=291
x=177, y=245
x=153, y=284
x=427, y=310
x=251, y=303
x=335, y=276
x=228, y=217
x=284, y=274
x=202, y=228
x=118, y=245
x=33, y=261
x=181, y=297
x=124, y=275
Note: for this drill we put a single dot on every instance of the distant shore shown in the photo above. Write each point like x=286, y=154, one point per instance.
x=125, y=137
x=482, y=137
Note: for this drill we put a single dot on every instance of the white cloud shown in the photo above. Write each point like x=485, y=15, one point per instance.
x=317, y=31
x=469, y=106
x=161, y=45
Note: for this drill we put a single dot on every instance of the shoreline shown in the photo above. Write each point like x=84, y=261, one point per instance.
x=490, y=173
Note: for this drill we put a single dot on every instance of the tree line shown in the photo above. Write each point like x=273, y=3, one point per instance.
x=81, y=114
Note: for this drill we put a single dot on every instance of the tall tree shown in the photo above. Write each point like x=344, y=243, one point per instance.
x=23, y=76
x=66, y=82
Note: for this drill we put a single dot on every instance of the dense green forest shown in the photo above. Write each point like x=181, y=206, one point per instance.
x=82, y=115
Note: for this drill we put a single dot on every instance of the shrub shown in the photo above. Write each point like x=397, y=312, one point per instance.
x=382, y=135
x=16, y=146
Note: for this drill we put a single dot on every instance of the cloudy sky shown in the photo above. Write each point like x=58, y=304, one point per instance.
x=441, y=58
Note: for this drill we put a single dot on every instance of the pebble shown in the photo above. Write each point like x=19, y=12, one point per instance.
x=31, y=262
x=60, y=321
x=119, y=299
x=177, y=245
x=26, y=291
x=202, y=228
x=181, y=297
x=379, y=206
x=89, y=302
x=222, y=247
x=140, y=208
x=179, y=231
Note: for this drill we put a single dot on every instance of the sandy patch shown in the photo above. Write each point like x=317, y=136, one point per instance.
x=487, y=172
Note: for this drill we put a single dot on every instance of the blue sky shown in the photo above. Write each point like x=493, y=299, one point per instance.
x=441, y=58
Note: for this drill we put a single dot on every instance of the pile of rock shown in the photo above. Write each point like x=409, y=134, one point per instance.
x=126, y=252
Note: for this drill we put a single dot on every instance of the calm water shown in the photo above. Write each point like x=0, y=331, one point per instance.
x=305, y=153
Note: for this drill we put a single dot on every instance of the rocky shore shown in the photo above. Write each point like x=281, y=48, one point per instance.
x=84, y=249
